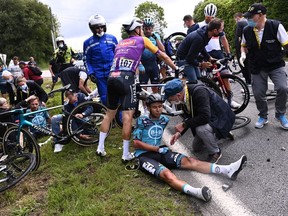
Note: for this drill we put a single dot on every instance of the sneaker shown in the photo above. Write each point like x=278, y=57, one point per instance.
x=261, y=122
x=58, y=148
x=283, y=121
x=214, y=158
x=128, y=157
x=236, y=167
x=100, y=153
x=234, y=105
x=205, y=194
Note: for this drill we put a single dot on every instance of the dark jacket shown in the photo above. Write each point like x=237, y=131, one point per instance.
x=269, y=55
x=33, y=89
x=192, y=45
x=208, y=108
x=238, y=35
x=80, y=99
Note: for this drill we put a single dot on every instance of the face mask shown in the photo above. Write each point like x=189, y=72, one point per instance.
x=24, y=88
x=10, y=80
x=100, y=34
x=61, y=45
x=251, y=23
x=176, y=102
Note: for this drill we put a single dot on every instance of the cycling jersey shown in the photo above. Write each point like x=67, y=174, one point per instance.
x=129, y=51
x=147, y=54
x=98, y=54
x=149, y=131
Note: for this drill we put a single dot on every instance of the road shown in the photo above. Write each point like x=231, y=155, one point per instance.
x=261, y=188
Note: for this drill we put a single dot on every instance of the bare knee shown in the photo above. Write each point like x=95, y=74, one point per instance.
x=189, y=163
x=168, y=176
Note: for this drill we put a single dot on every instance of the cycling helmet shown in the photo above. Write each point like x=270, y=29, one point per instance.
x=132, y=25
x=153, y=98
x=148, y=22
x=58, y=39
x=210, y=10
x=97, y=20
x=58, y=42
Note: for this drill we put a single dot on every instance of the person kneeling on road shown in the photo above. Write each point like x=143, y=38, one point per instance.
x=158, y=160
x=208, y=115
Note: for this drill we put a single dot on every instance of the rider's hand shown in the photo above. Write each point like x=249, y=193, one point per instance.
x=205, y=65
x=32, y=97
x=242, y=58
x=154, y=36
x=163, y=150
x=93, y=78
x=229, y=56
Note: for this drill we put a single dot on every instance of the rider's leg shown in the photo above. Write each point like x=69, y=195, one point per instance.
x=127, y=116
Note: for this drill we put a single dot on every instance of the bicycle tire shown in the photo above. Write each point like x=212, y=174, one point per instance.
x=173, y=46
x=28, y=144
x=240, y=121
x=211, y=84
x=88, y=126
x=239, y=90
x=17, y=167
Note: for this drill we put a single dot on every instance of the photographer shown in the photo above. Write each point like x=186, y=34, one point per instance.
x=63, y=55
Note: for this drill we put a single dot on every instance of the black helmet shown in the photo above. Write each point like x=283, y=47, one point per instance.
x=153, y=98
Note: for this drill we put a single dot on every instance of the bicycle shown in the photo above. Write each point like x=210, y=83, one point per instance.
x=14, y=169
x=18, y=139
x=233, y=66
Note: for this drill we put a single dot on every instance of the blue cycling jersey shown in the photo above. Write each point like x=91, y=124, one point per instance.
x=149, y=131
x=147, y=54
x=99, y=54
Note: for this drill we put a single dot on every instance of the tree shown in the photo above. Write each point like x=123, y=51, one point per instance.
x=150, y=9
x=25, y=29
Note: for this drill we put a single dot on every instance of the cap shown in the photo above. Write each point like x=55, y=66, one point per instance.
x=22, y=62
x=172, y=88
x=256, y=8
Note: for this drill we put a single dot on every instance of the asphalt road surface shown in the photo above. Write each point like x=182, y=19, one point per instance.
x=261, y=187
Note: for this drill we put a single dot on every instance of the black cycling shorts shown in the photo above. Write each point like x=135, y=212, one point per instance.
x=121, y=89
x=154, y=162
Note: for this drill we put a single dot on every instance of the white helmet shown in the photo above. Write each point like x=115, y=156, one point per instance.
x=210, y=10
x=97, y=20
x=58, y=39
x=132, y=25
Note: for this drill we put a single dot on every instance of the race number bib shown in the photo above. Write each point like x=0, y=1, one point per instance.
x=125, y=64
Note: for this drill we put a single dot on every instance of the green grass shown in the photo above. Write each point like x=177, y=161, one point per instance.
x=77, y=182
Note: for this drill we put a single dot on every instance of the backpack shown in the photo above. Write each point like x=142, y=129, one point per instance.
x=36, y=70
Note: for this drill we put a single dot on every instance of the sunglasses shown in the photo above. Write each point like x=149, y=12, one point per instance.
x=98, y=27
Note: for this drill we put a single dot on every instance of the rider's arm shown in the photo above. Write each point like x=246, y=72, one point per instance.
x=158, y=42
x=138, y=144
x=225, y=44
x=149, y=45
x=82, y=78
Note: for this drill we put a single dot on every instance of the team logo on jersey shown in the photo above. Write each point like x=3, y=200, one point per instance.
x=155, y=132
x=127, y=42
x=38, y=120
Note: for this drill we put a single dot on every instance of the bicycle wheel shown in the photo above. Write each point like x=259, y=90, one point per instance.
x=211, y=84
x=239, y=92
x=85, y=132
x=240, y=121
x=14, y=169
x=234, y=66
x=25, y=143
x=172, y=42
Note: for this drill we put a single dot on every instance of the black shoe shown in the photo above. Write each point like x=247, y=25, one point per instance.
x=214, y=158
x=205, y=194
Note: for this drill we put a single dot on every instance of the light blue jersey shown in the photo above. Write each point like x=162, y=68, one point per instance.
x=149, y=131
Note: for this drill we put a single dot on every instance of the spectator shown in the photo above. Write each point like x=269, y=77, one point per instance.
x=4, y=107
x=63, y=55
x=26, y=88
x=241, y=22
x=73, y=100
x=32, y=61
x=29, y=75
x=263, y=40
x=11, y=87
x=158, y=160
x=190, y=24
x=40, y=119
x=14, y=67
x=209, y=116
x=98, y=54
x=3, y=87
x=77, y=77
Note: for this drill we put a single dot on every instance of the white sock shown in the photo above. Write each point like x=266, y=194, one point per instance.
x=219, y=169
x=188, y=189
x=126, y=144
x=102, y=137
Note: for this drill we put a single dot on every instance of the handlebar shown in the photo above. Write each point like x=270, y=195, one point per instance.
x=64, y=88
x=222, y=62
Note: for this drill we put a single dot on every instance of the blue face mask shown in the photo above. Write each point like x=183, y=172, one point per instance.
x=24, y=88
x=251, y=23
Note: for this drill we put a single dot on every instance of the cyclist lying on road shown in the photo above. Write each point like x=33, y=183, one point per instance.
x=158, y=160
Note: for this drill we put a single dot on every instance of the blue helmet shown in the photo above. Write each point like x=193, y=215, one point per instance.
x=148, y=22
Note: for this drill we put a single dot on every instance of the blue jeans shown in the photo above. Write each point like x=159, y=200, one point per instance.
x=192, y=72
x=55, y=124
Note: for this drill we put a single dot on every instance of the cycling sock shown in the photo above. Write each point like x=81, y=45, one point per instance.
x=188, y=189
x=102, y=137
x=219, y=169
x=126, y=144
